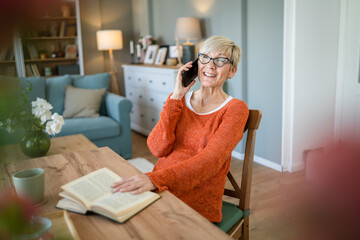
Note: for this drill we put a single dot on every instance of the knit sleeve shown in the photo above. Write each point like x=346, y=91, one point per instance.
x=161, y=139
x=194, y=171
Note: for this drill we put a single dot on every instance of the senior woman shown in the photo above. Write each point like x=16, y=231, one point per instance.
x=196, y=134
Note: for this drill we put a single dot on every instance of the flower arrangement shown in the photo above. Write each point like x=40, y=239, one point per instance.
x=146, y=41
x=32, y=117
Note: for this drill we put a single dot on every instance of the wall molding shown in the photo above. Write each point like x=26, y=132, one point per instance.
x=259, y=160
x=288, y=85
x=340, y=70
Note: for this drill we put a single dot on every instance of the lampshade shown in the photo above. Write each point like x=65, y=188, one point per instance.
x=187, y=28
x=109, y=39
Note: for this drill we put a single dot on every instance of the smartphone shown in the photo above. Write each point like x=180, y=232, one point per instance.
x=190, y=75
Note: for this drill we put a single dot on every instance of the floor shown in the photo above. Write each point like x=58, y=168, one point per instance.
x=272, y=195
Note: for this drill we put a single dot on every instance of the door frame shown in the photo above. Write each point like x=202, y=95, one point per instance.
x=288, y=85
x=340, y=71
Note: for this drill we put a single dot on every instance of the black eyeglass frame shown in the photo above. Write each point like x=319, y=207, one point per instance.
x=213, y=59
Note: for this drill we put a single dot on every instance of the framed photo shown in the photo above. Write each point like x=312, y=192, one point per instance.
x=150, y=54
x=161, y=55
x=71, y=51
x=174, y=51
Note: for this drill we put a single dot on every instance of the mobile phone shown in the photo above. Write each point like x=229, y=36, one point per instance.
x=190, y=75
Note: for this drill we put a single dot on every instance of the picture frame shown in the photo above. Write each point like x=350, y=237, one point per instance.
x=160, y=56
x=150, y=54
x=71, y=51
x=174, y=51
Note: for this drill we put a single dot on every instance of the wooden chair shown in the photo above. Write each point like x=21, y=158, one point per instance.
x=235, y=220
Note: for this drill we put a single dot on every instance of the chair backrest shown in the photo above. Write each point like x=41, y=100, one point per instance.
x=243, y=193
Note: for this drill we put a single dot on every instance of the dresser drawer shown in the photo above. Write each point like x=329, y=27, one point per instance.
x=144, y=117
x=144, y=79
x=150, y=98
x=148, y=88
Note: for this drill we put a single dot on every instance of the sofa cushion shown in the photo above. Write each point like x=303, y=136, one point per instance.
x=38, y=87
x=92, y=128
x=95, y=81
x=81, y=102
x=55, y=92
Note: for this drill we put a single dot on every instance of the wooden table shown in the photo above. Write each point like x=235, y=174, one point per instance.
x=167, y=218
x=59, y=145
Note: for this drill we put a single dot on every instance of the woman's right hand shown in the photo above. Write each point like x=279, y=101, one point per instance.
x=180, y=90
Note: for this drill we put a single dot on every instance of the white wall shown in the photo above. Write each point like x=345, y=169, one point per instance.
x=314, y=77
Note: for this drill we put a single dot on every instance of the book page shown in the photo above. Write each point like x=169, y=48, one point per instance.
x=92, y=187
x=120, y=203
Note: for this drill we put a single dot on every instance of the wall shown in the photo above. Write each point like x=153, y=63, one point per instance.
x=105, y=14
x=264, y=82
x=90, y=23
x=315, y=62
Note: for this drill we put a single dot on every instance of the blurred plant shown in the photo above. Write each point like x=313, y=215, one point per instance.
x=15, y=214
x=31, y=117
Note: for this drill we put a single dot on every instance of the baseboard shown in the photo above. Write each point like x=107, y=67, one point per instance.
x=259, y=160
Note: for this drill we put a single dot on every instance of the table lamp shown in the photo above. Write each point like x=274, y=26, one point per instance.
x=187, y=28
x=110, y=40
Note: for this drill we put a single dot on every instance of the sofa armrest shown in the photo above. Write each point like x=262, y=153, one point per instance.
x=118, y=108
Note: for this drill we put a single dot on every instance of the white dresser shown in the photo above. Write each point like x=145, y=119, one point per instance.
x=148, y=87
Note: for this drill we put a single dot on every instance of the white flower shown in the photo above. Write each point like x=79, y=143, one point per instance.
x=54, y=126
x=41, y=109
x=9, y=129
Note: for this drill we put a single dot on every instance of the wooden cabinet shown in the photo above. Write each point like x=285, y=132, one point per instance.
x=47, y=46
x=148, y=87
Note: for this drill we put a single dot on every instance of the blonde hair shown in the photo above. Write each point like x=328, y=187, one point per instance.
x=223, y=45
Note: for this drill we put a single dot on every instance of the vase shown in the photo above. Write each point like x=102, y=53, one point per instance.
x=35, y=144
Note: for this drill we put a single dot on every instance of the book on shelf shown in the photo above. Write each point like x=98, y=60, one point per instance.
x=3, y=53
x=7, y=54
x=28, y=71
x=62, y=28
x=35, y=70
x=70, y=30
x=33, y=53
x=92, y=193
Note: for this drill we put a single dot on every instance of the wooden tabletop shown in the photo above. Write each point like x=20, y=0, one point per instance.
x=59, y=145
x=167, y=218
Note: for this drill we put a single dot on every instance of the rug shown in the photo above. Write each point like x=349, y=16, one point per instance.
x=142, y=164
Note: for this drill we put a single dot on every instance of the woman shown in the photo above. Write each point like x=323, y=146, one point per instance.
x=196, y=134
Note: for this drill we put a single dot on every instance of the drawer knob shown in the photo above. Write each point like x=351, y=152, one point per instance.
x=129, y=78
x=164, y=83
x=130, y=93
x=139, y=79
x=150, y=81
x=140, y=96
x=141, y=115
x=151, y=99
x=153, y=119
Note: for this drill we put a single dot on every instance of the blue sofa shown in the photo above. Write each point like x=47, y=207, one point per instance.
x=111, y=128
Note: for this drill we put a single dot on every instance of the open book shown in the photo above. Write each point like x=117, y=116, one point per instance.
x=92, y=192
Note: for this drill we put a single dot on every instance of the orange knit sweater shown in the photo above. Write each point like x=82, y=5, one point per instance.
x=194, y=152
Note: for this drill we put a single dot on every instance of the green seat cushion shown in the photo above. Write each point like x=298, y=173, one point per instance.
x=92, y=128
x=231, y=215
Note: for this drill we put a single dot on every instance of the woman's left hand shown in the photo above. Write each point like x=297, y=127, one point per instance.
x=135, y=184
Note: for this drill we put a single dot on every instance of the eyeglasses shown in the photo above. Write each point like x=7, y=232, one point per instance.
x=219, y=61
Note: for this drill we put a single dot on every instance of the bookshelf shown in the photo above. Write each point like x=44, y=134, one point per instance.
x=48, y=43
x=7, y=59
